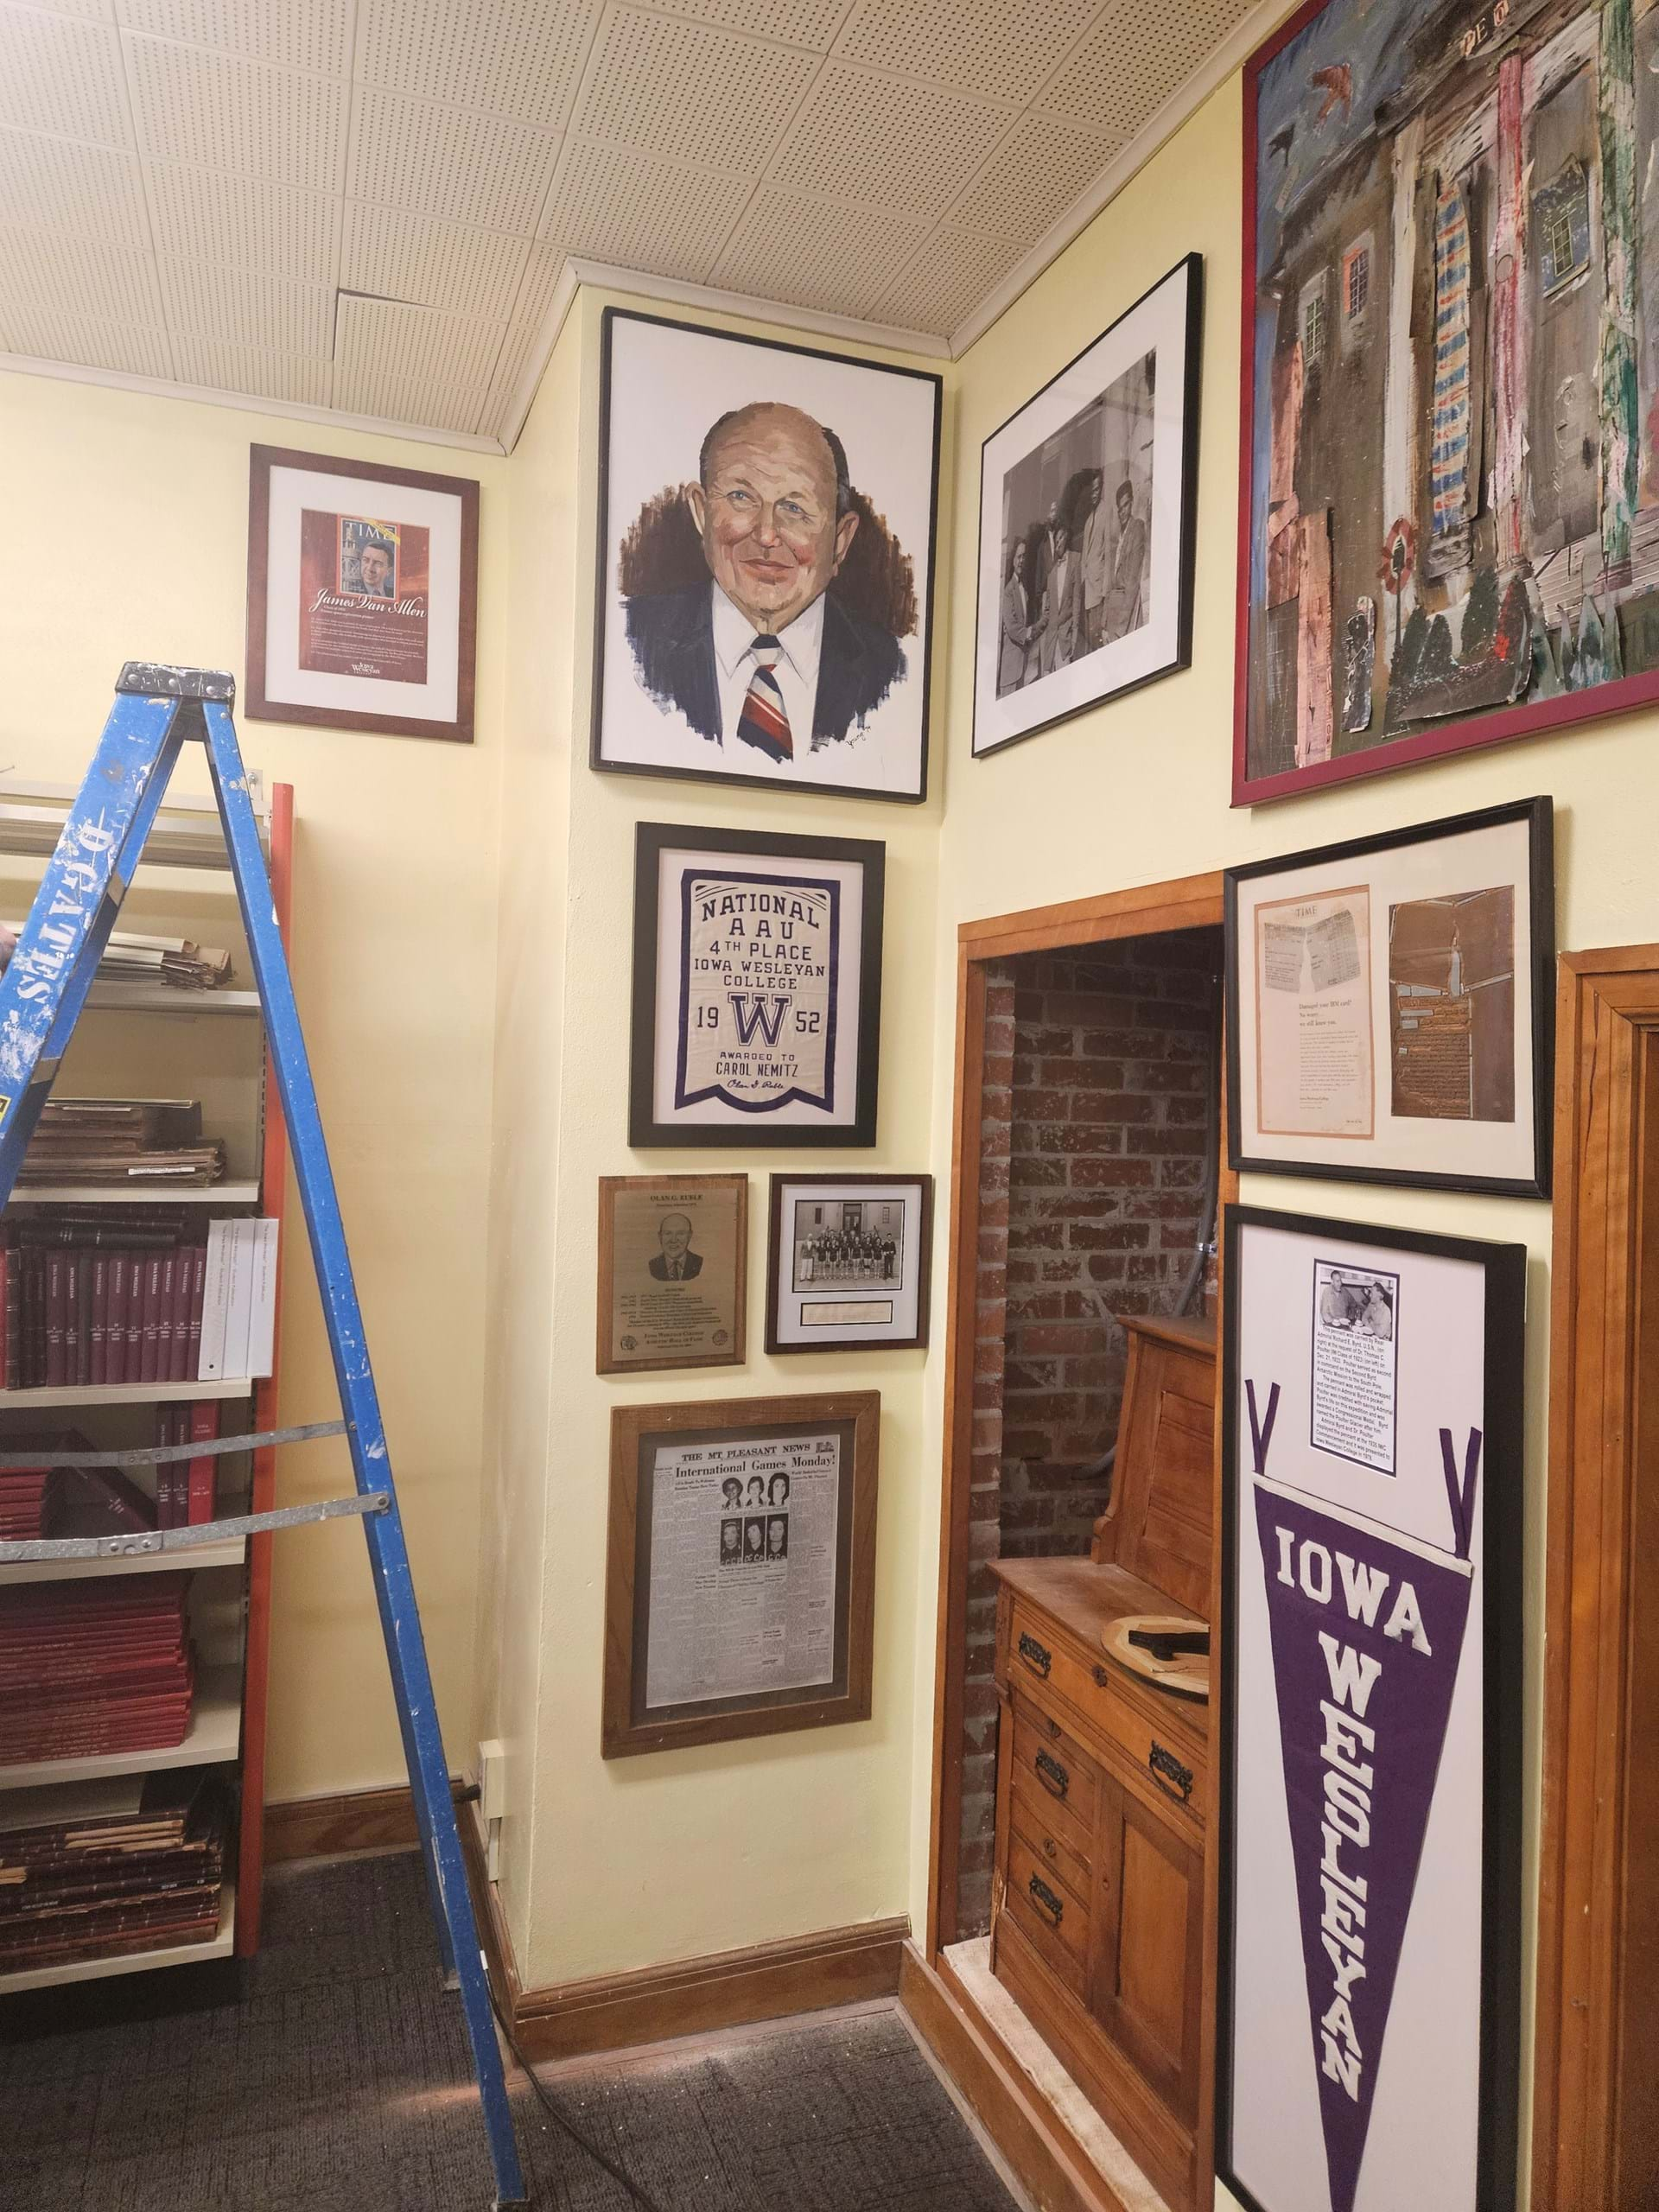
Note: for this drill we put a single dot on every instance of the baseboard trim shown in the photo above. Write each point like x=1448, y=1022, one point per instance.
x=326, y=1828
x=1049, y=2163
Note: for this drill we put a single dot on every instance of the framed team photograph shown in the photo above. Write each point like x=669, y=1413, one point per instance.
x=757, y=988
x=1368, y=2027
x=673, y=1261
x=763, y=612
x=362, y=595
x=847, y=1264
x=1389, y=1007
x=1087, y=524
x=740, y=1580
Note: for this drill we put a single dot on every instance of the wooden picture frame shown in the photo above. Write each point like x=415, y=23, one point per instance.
x=656, y=1310
x=658, y=706
x=1417, y=1028
x=832, y=1304
x=828, y=1545
x=734, y=1045
x=1110, y=447
x=315, y=617
x=1371, y=1629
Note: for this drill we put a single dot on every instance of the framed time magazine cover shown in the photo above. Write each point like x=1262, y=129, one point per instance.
x=1369, y=1941
x=362, y=595
x=1389, y=1004
x=848, y=1259
x=1087, y=523
x=763, y=610
x=740, y=1584
x=757, y=988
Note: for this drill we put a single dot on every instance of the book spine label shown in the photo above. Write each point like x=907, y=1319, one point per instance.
x=99, y=1365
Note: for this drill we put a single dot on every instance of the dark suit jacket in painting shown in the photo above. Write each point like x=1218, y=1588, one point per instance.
x=672, y=636
x=691, y=1268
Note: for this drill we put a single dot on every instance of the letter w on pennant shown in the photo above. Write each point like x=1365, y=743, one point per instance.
x=751, y=1012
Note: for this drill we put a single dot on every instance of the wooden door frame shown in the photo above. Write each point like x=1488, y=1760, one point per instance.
x=1604, y=1401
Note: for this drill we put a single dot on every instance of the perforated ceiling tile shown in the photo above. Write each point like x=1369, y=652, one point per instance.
x=542, y=270
x=228, y=113
x=101, y=11
x=438, y=265
x=1002, y=47
x=1031, y=180
x=610, y=205
x=1101, y=88
x=249, y=307
x=797, y=22
x=45, y=268
x=701, y=92
x=946, y=280
x=908, y=146
x=518, y=343
x=314, y=34
x=201, y=215
x=59, y=73
x=43, y=336
x=403, y=399
x=517, y=57
x=382, y=338
x=431, y=160
x=89, y=191
x=813, y=253
x=249, y=368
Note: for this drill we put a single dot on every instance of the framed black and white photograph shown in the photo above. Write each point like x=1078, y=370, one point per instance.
x=1087, y=511
x=766, y=518
x=757, y=988
x=1368, y=1943
x=848, y=1259
x=1389, y=1006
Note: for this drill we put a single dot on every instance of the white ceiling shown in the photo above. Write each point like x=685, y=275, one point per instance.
x=367, y=206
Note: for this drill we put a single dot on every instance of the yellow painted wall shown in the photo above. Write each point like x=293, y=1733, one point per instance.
x=125, y=537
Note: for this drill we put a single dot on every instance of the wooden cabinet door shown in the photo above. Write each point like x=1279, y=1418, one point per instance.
x=1148, y=1951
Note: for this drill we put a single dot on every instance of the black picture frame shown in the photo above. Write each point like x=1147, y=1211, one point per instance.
x=1501, y=1492
x=924, y=647
x=828, y=1187
x=1191, y=267
x=1538, y=814
x=747, y=1130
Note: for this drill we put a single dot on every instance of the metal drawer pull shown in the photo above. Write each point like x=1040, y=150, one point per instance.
x=1052, y=1776
x=1101, y=1678
x=1034, y=1656
x=1046, y=1901
x=1168, y=1772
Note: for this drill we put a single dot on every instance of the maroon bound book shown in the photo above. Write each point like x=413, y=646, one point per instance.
x=164, y=1316
x=179, y=1344
x=132, y=1325
x=36, y=1295
x=57, y=1317
x=13, y=1320
x=149, y=1329
x=204, y=1471
x=100, y=1365
x=198, y=1299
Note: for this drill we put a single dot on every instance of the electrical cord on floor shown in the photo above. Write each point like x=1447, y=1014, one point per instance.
x=582, y=2142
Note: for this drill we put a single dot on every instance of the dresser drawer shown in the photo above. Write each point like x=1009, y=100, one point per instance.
x=1056, y=1778
x=1049, y=1915
x=1050, y=1839
x=1171, y=1762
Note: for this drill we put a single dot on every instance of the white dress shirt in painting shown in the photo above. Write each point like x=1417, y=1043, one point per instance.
x=795, y=669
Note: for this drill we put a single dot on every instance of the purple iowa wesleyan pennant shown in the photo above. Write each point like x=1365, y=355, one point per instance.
x=1367, y=1636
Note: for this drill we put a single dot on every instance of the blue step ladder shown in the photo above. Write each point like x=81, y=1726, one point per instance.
x=157, y=711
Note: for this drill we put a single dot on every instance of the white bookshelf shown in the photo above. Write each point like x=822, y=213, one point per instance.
x=135, y=1194
x=191, y=1558
x=214, y=1737
x=175, y=1955
x=167, y=998
x=124, y=1394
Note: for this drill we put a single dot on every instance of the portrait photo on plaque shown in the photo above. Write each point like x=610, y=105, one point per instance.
x=757, y=988
x=673, y=1261
x=741, y=1569
x=1368, y=1942
x=764, y=601
x=1389, y=1004
x=847, y=1262
x=362, y=595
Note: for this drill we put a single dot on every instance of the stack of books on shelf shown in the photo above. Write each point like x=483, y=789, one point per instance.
x=92, y=1669
x=132, y=958
x=22, y=1492
x=141, y=1141
x=102, y=1294
x=98, y=1870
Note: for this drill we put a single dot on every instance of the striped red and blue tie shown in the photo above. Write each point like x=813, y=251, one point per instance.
x=764, y=721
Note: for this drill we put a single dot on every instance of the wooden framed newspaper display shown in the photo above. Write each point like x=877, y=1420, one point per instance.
x=739, y=1588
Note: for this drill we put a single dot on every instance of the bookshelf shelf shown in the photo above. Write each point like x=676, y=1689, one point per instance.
x=129, y=1194
x=163, y=998
x=124, y=1394
x=176, y=1954
x=214, y=1737
x=230, y=1554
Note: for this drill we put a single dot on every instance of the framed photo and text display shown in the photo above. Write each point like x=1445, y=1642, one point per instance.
x=848, y=1261
x=673, y=1266
x=1389, y=1004
x=1368, y=2012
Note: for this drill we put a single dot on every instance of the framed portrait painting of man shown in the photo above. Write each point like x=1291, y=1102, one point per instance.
x=1086, y=523
x=1450, y=510
x=764, y=605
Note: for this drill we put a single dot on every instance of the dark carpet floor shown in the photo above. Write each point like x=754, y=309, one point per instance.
x=331, y=2074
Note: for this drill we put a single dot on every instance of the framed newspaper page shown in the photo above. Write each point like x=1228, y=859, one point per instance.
x=739, y=1581
x=362, y=595
x=757, y=988
x=1368, y=2013
x=847, y=1264
x=673, y=1269
x=1389, y=1005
